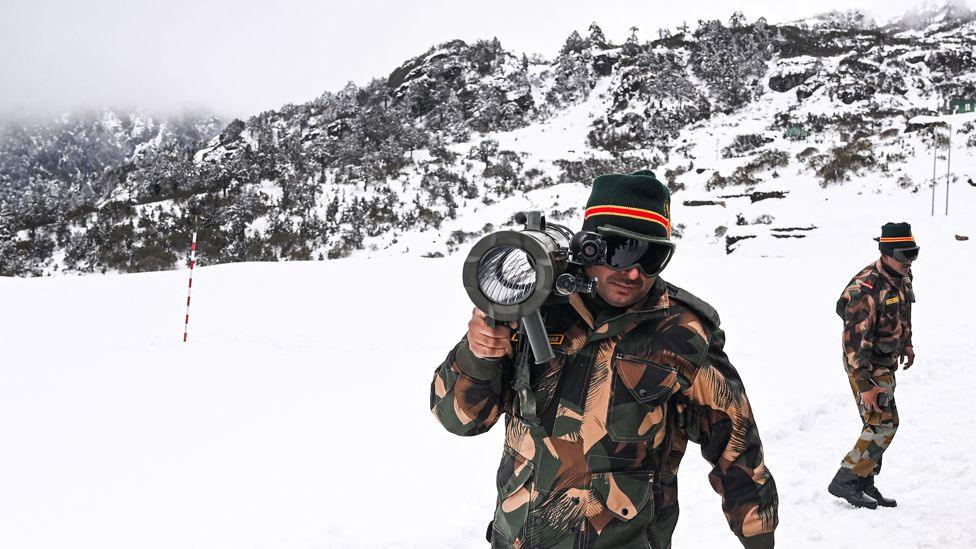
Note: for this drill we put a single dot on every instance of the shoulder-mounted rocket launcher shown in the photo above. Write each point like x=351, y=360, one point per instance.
x=511, y=274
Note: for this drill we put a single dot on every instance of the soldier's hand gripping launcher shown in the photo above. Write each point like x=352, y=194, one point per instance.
x=510, y=275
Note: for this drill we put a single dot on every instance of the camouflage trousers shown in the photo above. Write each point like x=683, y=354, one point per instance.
x=877, y=429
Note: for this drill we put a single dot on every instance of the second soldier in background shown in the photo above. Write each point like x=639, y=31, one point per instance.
x=876, y=307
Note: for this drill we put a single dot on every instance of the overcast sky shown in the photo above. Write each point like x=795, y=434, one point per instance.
x=240, y=57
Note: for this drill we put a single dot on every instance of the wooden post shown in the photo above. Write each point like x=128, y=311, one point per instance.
x=193, y=258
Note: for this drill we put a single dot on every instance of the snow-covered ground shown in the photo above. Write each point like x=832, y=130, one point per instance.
x=297, y=415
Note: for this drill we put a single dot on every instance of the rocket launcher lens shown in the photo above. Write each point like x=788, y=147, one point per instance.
x=506, y=275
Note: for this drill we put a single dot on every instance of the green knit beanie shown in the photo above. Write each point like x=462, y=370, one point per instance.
x=637, y=203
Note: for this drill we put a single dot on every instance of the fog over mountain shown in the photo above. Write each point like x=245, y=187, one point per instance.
x=239, y=58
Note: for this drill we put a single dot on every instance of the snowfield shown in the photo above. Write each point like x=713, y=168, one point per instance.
x=297, y=414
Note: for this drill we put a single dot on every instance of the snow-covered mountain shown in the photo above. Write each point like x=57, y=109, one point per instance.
x=940, y=14
x=78, y=159
x=738, y=117
x=837, y=19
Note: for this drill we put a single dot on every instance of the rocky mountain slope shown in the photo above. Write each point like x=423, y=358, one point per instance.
x=731, y=114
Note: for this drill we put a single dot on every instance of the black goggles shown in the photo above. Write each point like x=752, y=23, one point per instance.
x=625, y=253
x=905, y=254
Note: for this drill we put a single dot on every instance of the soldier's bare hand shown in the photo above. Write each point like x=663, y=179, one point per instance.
x=485, y=341
x=907, y=357
x=870, y=399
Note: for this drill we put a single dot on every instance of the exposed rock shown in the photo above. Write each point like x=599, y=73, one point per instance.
x=694, y=203
x=731, y=241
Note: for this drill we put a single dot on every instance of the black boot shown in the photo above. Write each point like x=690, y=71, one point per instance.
x=867, y=486
x=846, y=485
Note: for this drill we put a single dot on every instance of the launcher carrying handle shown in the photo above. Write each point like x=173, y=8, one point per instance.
x=535, y=330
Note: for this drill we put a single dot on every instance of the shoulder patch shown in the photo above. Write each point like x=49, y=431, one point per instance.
x=703, y=309
x=869, y=282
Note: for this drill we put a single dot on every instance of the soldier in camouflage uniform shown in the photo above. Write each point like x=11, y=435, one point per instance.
x=639, y=371
x=876, y=307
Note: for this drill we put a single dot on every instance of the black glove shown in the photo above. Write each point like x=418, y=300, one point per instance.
x=761, y=541
x=908, y=355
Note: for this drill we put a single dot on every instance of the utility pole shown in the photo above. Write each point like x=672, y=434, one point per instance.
x=948, y=164
x=934, y=143
x=950, y=122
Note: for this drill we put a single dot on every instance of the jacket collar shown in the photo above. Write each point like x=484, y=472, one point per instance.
x=890, y=276
x=655, y=301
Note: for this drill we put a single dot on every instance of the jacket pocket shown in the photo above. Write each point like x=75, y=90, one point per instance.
x=889, y=320
x=512, y=508
x=886, y=346
x=625, y=509
x=641, y=390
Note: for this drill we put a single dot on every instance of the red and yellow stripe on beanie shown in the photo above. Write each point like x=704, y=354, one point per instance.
x=636, y=202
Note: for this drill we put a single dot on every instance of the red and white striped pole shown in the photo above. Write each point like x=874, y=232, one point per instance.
x=193, y=260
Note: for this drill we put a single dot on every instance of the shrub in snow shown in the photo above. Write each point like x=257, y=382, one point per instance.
x=845, y=160
x=807, y=153
x=744, y=143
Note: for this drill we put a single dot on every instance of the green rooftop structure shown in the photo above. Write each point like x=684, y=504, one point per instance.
x=796, y=132
x=960, y=106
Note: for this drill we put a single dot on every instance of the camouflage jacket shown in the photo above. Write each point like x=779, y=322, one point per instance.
x=616, y=407
x=876, y=307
